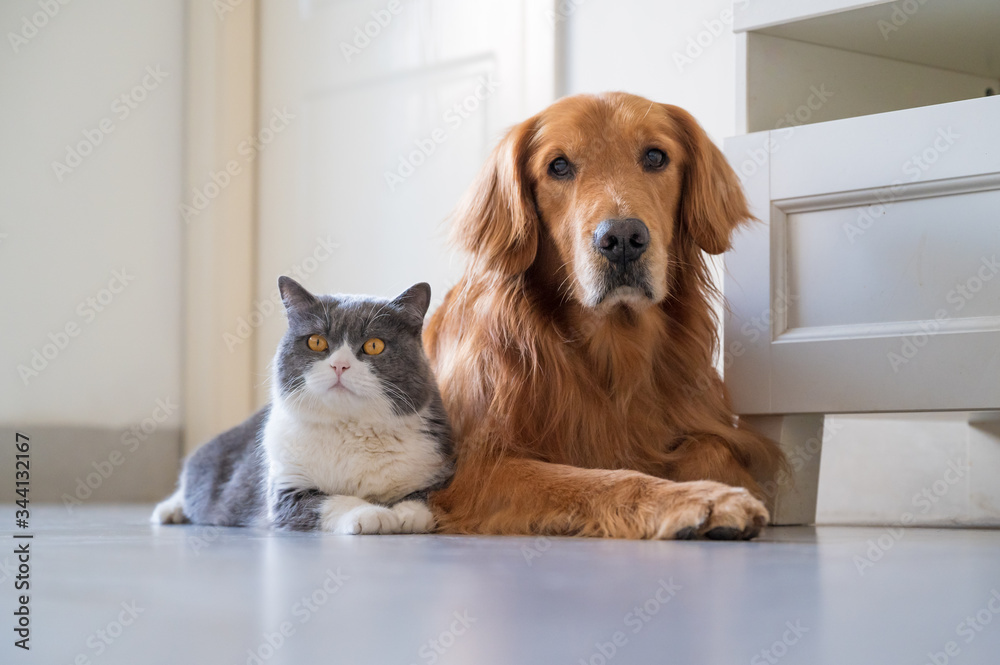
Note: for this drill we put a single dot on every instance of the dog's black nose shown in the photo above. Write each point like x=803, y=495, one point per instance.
x=621, y=240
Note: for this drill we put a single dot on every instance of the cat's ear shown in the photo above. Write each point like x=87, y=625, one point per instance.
x=414, y=301
x=294, y=295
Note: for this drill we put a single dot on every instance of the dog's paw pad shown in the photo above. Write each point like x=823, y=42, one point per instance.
x=724, y=533
x=687, y=533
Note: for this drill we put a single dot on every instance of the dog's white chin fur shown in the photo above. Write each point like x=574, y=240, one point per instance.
x=627, y=296
x=588, y=280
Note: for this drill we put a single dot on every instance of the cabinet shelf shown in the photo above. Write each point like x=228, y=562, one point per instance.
x=865, y=57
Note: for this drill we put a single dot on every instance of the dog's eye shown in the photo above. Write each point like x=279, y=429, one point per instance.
x=654, y=159
x=560, y=168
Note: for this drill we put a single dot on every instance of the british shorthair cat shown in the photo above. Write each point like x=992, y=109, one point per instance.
x=355, y=435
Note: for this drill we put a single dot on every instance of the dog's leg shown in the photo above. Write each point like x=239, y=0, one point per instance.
x=708, y=458
x=746, y=459
x=519, y=496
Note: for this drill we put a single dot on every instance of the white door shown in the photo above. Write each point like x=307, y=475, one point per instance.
x=380, y=113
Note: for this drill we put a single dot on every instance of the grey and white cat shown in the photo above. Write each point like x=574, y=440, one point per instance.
x=355, y=435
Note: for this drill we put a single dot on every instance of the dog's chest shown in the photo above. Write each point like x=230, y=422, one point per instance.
x=376, y=461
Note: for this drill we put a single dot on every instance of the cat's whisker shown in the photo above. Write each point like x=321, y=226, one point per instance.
x=406, y=399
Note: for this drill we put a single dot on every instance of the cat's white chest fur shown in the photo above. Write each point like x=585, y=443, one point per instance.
x=379, y=460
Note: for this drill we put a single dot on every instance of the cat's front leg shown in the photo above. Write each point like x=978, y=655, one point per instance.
x=295, y=508
x=351, y=515
x=414, y=514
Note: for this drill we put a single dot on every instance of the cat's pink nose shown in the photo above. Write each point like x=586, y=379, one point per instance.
x=340, y=367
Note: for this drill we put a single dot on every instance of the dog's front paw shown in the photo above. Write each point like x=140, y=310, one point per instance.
x=712, y=510
x=414, y=517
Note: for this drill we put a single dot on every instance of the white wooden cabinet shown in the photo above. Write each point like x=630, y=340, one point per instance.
x=872, y=159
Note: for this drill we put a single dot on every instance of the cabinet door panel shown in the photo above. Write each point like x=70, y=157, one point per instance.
x=862, y=290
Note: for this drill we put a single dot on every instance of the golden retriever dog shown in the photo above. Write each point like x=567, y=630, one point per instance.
x=575, y=356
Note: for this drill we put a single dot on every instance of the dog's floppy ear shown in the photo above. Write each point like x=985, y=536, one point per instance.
x=497, y=222
x=712, y=203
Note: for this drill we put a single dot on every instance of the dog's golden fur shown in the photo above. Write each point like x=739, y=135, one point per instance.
x=582, y=411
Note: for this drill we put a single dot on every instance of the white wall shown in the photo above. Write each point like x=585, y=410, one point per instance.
x=62, y=241
x=640, y=46
x=117, y=210
x=933, y=469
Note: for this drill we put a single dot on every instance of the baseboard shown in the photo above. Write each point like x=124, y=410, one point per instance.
x=80, y=465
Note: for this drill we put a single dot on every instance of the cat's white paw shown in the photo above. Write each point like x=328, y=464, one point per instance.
x=335, y=508
x=414, y=517
x=350, y=515
x=170, y=511
x=368, y=519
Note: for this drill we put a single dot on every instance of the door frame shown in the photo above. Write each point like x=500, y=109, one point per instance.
x=220, y=239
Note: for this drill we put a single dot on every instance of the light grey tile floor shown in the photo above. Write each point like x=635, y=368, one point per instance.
x=107, y=587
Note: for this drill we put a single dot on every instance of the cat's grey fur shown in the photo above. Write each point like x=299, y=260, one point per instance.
x=356, y=453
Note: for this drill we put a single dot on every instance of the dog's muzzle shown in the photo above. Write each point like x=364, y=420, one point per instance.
x=622, y=242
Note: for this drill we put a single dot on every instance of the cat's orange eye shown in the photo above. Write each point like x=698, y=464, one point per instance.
x=374, y=346
x=318, y=343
